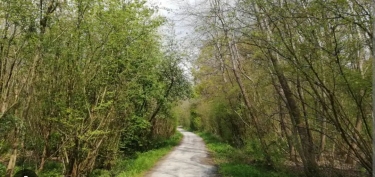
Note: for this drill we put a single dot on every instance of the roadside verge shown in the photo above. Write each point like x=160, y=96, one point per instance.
x=225, y=157
x=143, y=162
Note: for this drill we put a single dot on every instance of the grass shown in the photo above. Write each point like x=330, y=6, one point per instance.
x=142, y=163
x=231, y=161
x=145, y=161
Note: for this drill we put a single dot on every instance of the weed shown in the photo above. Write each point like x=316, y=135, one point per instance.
x=232, y=161
x=146, y=160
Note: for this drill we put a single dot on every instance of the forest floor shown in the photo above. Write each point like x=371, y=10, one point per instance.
x=189, y=159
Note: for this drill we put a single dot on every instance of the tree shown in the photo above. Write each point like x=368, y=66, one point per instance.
x=80, y=79
x=308, y=58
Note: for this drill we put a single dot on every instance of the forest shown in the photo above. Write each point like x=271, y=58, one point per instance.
x=83, y=83
x=286, y=83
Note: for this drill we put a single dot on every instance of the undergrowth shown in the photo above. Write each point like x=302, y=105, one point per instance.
x=143, y=161
x=136, y=166
x=232, y=161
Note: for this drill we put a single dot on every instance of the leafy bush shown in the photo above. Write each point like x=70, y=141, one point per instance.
x=52, y=169
x=50, y=173
x=233, y=162
x=143, y=161
x=195, y=121
x=135, y=136
x=174, y=140
x=100, y=173
x=2, y=170
x=243, y=170
x=253, y=149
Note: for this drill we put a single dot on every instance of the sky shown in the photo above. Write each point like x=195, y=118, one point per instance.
x=175, y=12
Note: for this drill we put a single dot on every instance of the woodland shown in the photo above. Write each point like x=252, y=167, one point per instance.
x=288, y=82
x=85, y=83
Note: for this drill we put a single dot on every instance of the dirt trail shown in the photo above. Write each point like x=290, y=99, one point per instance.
x=189, y=159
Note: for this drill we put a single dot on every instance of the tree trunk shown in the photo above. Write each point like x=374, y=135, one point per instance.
x=349, y=154
x=45, y=149
x=13, y=157
x=234, y=55
x=73, y=166
x=43, y=159
x=152, y=119
x=284, y=129
x=306, y=147
x=323, y=136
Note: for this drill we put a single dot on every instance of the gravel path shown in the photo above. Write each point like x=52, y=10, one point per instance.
x=189, y=159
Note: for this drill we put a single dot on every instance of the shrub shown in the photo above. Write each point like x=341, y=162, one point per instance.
x=100, y=173
x=2, y=170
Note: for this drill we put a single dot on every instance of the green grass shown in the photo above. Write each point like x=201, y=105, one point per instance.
x=145, y=161
x=231, y=161
x=142, y=163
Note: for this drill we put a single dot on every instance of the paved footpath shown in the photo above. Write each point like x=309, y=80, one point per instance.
x=189, y=159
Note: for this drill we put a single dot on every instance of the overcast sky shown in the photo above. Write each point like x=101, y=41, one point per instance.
x=175, y=12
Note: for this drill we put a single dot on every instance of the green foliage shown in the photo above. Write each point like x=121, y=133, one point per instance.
x=296, y=86
x=7, y=122
x=174, y=140
x=195, y=120
x=217, y=117
x=222, y=117
x=253, y=148
x=100, y=173
x=88, y=79
x=220, y=150
x=134, y=167
x=243, y=170
x=143, y=162
x=50, y=173
x=183, y=116
x=234, y=162
x=135, y=136
x=52, y=169
x=2, y=170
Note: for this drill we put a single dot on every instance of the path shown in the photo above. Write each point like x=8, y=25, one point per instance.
x=189, y=159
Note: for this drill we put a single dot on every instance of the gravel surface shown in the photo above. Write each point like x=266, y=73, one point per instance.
x=189, y=159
